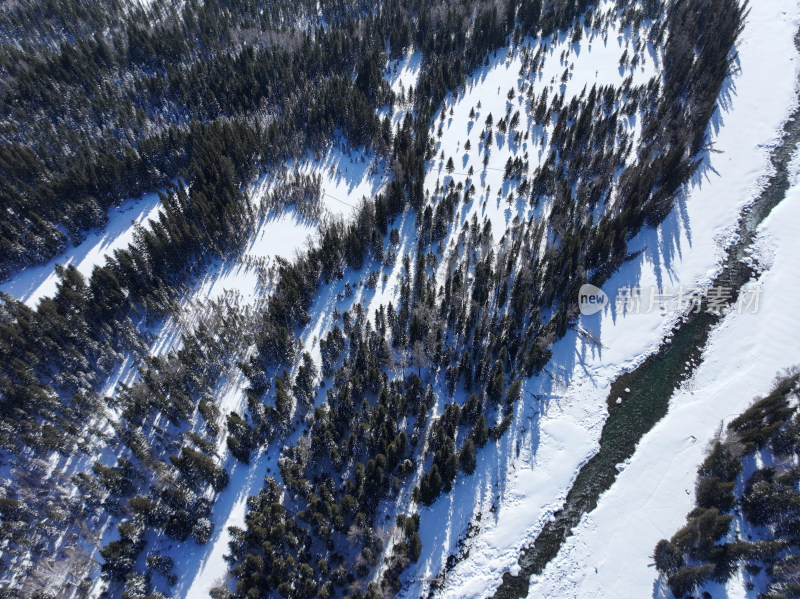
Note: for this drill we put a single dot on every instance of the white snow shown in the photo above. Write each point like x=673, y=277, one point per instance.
x=277, y=236
x=525, y=477
x=651, y=498
x=348, y=175
x=281, y=236
x=204, y=566
x=404, y=72
x=242, y=282
x=526, y=488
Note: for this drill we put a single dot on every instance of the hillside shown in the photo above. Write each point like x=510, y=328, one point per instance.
x=290, y=291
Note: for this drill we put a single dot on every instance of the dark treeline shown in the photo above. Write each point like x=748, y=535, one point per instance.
x=121, y=102
x=71, y=340
x=80, y=333
x=99, y=120
x=55, y=356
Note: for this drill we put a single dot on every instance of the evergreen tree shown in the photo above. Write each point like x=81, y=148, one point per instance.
x=466, y=457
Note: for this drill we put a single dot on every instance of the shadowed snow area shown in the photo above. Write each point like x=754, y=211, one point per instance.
x=402, y=75
x=348, y=175
x=524, y=478
x=612, y=547
x=239, y=284
x=404, y=72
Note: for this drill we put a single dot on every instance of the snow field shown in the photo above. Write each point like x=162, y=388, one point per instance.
x=348, y=175
x=487, y=94
x=401, y=74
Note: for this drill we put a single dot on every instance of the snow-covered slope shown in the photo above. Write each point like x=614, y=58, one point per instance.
x=240, y=285
x=528, y=476
x=348, y=175
x=654, y=493
x=487, y=95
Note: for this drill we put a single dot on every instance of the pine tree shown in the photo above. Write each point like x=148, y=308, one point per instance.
x=414, y=547
x=480, y=432
x=466, y=457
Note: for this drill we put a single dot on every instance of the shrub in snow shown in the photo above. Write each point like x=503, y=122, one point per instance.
x=201, y=531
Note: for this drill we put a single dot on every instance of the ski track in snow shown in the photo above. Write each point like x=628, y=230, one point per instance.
x=651, y=497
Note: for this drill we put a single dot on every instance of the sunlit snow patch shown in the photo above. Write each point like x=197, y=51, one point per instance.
x=347, y=176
